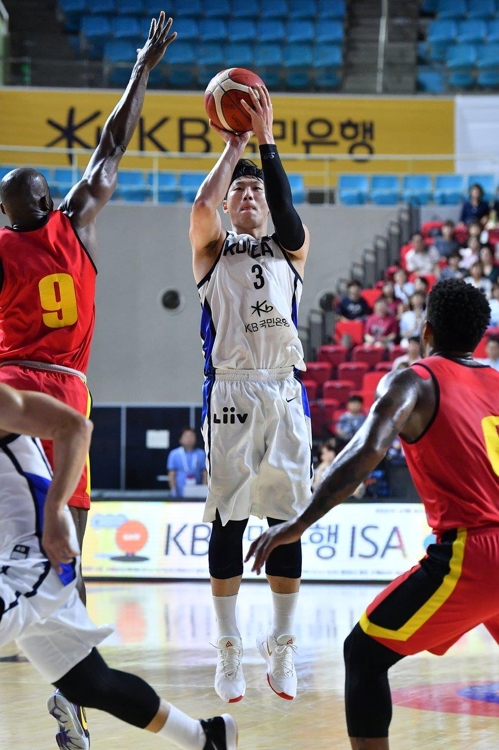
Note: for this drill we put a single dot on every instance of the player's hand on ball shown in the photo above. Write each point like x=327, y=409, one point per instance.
x=283, y=533
x=234, y=139
x=261, y=112
x=157, y=42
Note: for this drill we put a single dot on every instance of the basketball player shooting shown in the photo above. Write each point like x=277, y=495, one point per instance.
x=39, y=604
x=445, y=408
x=256, y=423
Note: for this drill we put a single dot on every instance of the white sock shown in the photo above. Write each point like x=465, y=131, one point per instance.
x=284, y=607
x=183, y=731
x=225, y=611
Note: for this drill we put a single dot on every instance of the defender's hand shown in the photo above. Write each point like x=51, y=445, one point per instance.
x=157, y=42
x=283, y=533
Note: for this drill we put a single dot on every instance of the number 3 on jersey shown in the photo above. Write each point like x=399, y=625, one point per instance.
x=491, y=435
x=58, y=300
x=258, y=271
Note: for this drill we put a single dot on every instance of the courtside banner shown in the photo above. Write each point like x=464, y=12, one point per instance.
x=177, y=123
x=355, y=541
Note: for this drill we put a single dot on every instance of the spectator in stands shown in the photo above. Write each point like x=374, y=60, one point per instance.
x=421, y=258
x=471, y=253
x=452, y=270
x=394, y=304
x=186, y=464
x=353, y=306
x=327, y=453
x=494, y=306
x=475, y=229
x=411, y=321
x=446, y=243
x=381, y=328
x=475, y=208
x=490, y=269
x=421, y=285
x=402, y=287
x=492, y=350
x=412, y=355
x=351, y=420
x=478, y=280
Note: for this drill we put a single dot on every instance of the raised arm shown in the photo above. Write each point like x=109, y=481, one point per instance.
x=398, y=395
x=28, y=413
x=90, y=195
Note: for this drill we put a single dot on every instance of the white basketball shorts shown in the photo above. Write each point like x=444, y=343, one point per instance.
x=256, y=428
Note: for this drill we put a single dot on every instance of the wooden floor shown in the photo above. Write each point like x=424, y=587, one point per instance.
x=163, y=633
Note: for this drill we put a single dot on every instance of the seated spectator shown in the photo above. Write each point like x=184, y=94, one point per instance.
x=471, y=253
x=446, y=243
x=494, y=306
x=381, y=328
x=478, y=280
x=475, y=229
x=452, y=270
x=402, y=288
x=475, y=207
x=353, y=306
x=411, y=321
x=492, y=350
x=395, y=304
x=327, y=453
x=422, y=258
x=490, y=270
x=412, y=355
x=421, y=285
x=351, y=420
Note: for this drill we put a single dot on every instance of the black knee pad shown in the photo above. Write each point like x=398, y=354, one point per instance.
x=225, y=552
x=286, y=560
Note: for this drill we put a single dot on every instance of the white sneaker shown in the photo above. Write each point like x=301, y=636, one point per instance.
x=230, y=684
x=279, y=653
x=73, y=729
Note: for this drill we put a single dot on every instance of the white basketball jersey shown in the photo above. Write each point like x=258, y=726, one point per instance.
x=249, y=303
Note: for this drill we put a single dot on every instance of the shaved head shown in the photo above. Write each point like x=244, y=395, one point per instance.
x=24, y=192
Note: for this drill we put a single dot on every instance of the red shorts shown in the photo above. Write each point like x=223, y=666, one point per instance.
x=453, y=589
x=69, y=389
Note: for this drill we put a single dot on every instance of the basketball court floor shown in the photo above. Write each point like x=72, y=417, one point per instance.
x=163, y=632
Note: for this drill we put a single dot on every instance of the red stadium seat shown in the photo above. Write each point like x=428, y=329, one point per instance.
x=369, y=385
x=370, y=296
x=331, y=406
x=352, y=328
x=370, y=354
x=403, y=252
x=353, y=371
x=319, y=372
x=332, y=353
x=397, y=351
x=430, y=226
x=430, y=278
x=461, y=234
x=338, y=389
x=317, y=418
x=383, y=367
x=480, y=352
x=311, y=388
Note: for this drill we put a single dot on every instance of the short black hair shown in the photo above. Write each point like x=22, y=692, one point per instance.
x=355, y=398
x=246, y=168
x=414, y=338
x=354, y=282
x=187, y=429
x=459, y=315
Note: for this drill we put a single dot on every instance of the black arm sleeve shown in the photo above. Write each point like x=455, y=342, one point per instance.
x=288, y=225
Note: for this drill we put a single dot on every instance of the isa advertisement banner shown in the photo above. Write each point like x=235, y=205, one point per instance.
x=353, y=542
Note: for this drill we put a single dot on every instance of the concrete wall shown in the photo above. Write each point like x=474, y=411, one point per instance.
x=143, y=354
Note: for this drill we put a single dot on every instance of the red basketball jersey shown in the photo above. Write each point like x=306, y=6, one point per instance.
x=455, y=464
x=47, y=301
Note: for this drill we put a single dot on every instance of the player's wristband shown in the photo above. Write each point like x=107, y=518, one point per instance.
x=268, y=151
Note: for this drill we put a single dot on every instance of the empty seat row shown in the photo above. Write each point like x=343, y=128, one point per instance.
x=457, y=9
x=434, y=81
x=445, y=189
x=449, y=32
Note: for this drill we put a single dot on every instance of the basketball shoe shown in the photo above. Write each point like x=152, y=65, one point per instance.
x=230, y=684
x=221, y=733
x=279, y=653
x=73, y=731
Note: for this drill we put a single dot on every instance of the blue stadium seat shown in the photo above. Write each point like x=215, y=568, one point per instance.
x=449, y=189
x=101, y=6
x=481, y=9
x=119, y=76
x=353, y=189
x=493, y=31
x=331, y=9
x=299, y=31
x=487, y=59
x=218, y=9
x=487, y=182
x=167, y=190
x=301, y=10
x=63, y=180
x=488, y=79
x=5, y=170
x=298, y=56
x=441, y=31
x=185, y=8
x=180, y=78
x=241, y=31
x=211, y=55
x=72, y=11
x=431, y=81
x=126, y=27
x=243, y=9
x=297, y=187
x=471, y=32
x=461, y=57
x=268, y=55
x=422, y=53
x=133, y=186
x=94, y=27
x=189, y=183
x=416, y=189
x=120, y=51
x=187, y=30
x=429, y=7
x=131, y=8
x=274, y=9
x=327, y=80
x=461, y=79
x=329, y=31
x=453, y=9
x=182, y=53
x=270, y=31
x=298, y=80
x=385, y=189
x=238, y=55
x=213, y=30
x=328, y=56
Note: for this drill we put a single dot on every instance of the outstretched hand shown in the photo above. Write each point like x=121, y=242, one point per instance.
x=157, y=42
x=283, y=533
x=261, y=112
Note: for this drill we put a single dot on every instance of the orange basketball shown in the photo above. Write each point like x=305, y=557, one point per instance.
x=222, y=98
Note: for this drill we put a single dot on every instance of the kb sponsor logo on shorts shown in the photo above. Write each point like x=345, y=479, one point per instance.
x=229, y=416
